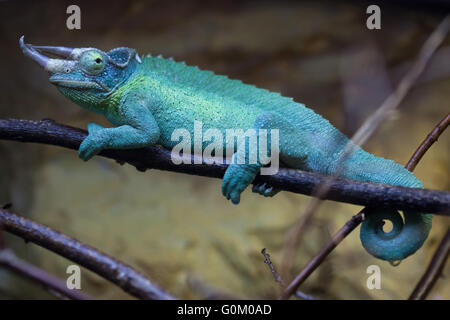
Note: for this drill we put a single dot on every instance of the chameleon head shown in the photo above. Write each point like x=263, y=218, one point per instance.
x=85, y=75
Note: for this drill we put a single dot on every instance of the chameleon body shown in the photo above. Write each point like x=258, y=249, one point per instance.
x=147, y=98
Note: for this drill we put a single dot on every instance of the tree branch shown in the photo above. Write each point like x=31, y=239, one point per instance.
x=53, y=284
x=154, y=157
x=124, y=276
x=10, y=261
x=434, y=270
x=431, y=138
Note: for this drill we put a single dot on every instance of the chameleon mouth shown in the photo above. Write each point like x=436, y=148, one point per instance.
x=77, y=84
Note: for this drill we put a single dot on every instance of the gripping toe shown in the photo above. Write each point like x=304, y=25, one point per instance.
x=265, y=190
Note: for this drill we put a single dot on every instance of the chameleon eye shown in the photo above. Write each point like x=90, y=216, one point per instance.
x=92, y=62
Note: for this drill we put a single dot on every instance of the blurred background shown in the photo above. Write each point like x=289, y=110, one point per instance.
x=178, y=229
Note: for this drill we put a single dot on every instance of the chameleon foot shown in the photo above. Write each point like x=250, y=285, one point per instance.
x=237, y=177
x=93, y=143
x=265, y=190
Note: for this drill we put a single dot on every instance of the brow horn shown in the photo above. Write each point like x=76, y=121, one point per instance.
x=33, y=54
x=51, y=65
x=58, y=51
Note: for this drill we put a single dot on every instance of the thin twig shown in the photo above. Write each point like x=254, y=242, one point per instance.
x=434, y=270
x=279, y=279
x=10, y=261
x=362, y=135
x=427, y=143
x=343, y=190
x=354, y=221
x=122, y=275
x=431, y=138
x=301, y=295
x=267, y=261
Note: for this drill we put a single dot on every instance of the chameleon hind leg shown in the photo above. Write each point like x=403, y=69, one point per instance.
x=291, y=147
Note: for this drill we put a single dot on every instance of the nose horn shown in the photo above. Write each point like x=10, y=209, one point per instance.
x=33, y=54
x=58, y=51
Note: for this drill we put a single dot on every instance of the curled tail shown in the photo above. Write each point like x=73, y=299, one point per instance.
x=407, y=235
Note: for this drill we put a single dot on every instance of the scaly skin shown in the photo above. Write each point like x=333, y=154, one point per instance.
x=148, y=99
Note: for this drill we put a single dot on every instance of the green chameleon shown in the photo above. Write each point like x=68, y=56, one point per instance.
x=147, y=98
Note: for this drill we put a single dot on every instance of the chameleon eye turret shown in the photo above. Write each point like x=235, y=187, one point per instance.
x=92, y=62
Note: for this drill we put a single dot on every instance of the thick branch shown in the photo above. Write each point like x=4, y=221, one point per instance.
x=115, y=271
x=343, y=190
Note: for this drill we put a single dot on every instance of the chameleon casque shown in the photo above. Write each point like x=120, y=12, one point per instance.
x=147, y=98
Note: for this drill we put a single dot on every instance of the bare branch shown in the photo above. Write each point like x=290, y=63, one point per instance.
x=124, y=276
x=10, y=261
x=53, y=284
x=343, y=190
x=267, y=261
x=428, y=142
x=434, y=270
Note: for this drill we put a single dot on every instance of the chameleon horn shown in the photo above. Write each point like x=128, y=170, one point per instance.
x=51, y=65
x=58, y=51
x=33, y=54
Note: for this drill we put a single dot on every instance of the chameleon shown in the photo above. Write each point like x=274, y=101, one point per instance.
x=146, y=98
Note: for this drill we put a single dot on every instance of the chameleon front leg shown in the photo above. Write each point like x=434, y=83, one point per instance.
x=292, y=150
x=137, y=128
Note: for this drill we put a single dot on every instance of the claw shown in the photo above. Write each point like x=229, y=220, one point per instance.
x=268, y=191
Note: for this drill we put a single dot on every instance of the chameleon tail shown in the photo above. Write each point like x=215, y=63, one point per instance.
x=406, y=237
